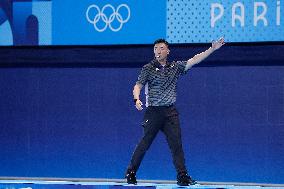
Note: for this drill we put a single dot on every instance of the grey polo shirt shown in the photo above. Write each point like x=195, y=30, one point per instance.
x=161, y=82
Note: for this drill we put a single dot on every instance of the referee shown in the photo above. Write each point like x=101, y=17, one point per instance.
x=160, y=80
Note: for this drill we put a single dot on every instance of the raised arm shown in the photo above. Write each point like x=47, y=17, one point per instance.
x=201, y=56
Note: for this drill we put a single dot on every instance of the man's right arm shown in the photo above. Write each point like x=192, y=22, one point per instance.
x=136, y=95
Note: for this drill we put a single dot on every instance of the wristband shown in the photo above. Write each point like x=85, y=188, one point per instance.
x=135, y=101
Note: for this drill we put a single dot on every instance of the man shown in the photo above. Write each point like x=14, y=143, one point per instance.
x=160, y=79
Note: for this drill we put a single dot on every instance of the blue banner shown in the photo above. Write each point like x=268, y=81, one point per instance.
x=111, y=22
x=237, y=21
x=108, y=22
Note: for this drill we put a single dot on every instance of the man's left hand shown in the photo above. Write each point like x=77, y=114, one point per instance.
x=218, y=44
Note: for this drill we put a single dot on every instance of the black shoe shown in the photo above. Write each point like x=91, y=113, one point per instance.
x=183, y=179
x=131, y=177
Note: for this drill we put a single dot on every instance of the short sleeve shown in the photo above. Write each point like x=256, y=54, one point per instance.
x=143, y=76
x=181, y=67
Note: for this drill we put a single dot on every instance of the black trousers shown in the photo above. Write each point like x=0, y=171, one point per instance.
x=165, y=119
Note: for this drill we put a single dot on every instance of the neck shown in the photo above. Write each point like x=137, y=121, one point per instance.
x=163, y=62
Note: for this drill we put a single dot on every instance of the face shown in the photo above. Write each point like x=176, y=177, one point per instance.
x=161, y=52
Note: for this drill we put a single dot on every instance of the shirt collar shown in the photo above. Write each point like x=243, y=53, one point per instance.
x=156, y=64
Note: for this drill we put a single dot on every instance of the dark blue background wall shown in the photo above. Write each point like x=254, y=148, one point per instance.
x=78, y=120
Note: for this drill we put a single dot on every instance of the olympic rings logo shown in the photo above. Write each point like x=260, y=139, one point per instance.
x=107, y=20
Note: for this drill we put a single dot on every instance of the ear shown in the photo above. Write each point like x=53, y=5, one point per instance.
x=168, y=52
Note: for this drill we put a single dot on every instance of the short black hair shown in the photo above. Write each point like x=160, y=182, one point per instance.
x=161, y=41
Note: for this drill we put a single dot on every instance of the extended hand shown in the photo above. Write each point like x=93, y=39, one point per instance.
x=217, y=44
x=138, y=105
